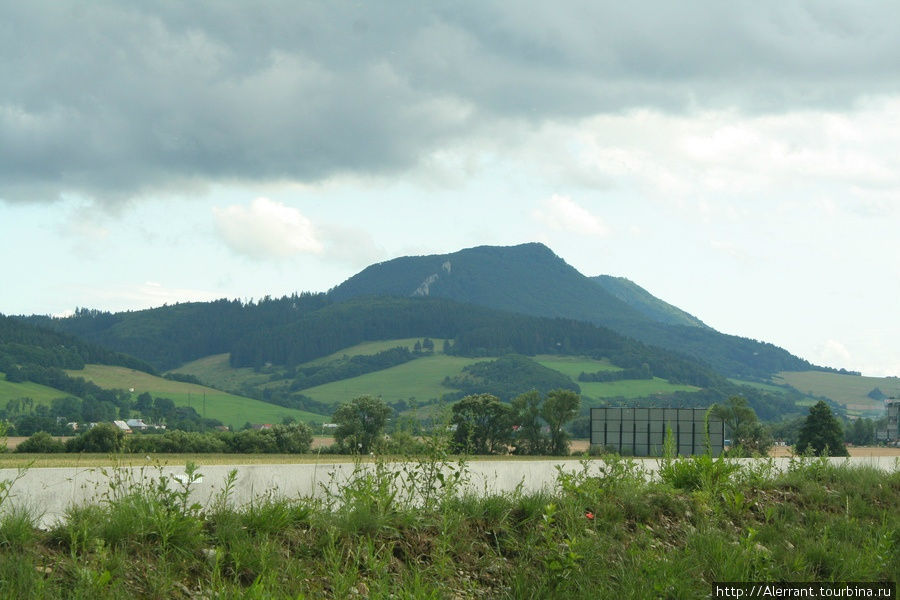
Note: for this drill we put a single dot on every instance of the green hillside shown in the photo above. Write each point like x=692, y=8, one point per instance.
x=369, y=348
x=419, y=380
x=217, y=372
x=850, y=391
x=41, y=394
x=531, y=279
x=646, y=303
x=230, y=409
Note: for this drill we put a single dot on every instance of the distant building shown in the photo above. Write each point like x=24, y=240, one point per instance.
x=261, y=426
x=137, y=424
x=891, y=432
x=123, y=426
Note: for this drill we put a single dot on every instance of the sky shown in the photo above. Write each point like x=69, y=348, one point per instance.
x=740, y=160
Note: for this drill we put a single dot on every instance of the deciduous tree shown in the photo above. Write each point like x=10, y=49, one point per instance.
x=360, y=423
x=821, y=432
x=483, y=424
x=560, y=407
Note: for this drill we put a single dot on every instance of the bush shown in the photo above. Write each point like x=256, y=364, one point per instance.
x=295, y=438
x=41, y=442
x=177, y=441
x=104, y=437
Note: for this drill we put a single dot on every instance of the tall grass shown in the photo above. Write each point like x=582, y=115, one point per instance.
x=415, y=530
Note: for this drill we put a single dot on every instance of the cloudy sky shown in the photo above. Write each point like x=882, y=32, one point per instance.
x=740, y=160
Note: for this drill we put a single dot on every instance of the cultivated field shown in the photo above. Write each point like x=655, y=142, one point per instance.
x=419, y=379
x=41, y=394
x=848, y=390
x=230, y=409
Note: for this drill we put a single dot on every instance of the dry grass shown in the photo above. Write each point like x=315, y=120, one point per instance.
x=856, y=451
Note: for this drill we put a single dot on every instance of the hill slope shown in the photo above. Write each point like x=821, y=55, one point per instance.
x=646, y=303
x=531, y=279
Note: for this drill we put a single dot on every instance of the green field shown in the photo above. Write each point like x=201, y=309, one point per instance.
x=573, y=366
x=41, y=394
x=632, y=388
x=848, y=390
x=369, y=348
x=228, y=408
x=420, y=379
x=766, y=387
x=216, y=371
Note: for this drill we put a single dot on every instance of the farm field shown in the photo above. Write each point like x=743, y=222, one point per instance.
x=573, y=366
x=41, y=394
x=369, y=348
x=230, y=409
x=849, y=390
x=216, y=371
x=419, y=379
x=632, y=388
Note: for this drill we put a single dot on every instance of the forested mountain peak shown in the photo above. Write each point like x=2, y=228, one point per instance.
x=531, y=279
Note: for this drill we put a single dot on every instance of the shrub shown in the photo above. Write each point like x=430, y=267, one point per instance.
x=41, y=442
x=104, y=437
x=295, y=438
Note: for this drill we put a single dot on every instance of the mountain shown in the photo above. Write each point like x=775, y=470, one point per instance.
x=528, y=279
x=531, y=279
x=649, y=305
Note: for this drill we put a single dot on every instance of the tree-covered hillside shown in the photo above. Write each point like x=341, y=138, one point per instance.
x=23, y=345
x=646, y=303
x=531, y=279
x=169, y=336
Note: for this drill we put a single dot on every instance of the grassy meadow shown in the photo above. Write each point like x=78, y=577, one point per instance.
x=421, y=378
x=216, y=371
x=228, y=408
x=41, y=394
x=848, y=390
x=400, y=531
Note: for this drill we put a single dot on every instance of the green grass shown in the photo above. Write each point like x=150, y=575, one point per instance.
x=419, y=379
x=573, y=366
x=400, y=531
x=41, y=394
x=370, y=348
x=767, y=387
x=632, y=388
x=848, y=390
x=228, y=408
x=216, y=371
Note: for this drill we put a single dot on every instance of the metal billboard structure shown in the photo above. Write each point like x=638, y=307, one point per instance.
x=642, y=431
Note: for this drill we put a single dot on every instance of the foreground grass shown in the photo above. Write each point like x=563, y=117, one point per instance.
x=409, y=532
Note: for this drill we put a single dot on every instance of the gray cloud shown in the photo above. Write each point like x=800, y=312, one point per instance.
x=116, y=99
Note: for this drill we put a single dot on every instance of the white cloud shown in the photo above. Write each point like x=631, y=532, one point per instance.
x=848, y=156
x=833, y=353
x=563, y=214
x=267, y=229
